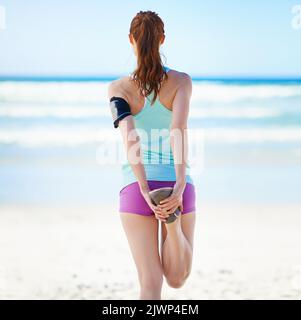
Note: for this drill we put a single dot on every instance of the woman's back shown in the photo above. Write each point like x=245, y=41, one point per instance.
x=166, y=95
x=152, y=123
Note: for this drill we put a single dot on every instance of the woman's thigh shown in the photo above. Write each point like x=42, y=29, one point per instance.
x=142, y=235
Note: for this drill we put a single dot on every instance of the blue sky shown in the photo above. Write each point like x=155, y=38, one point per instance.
x=203, y=38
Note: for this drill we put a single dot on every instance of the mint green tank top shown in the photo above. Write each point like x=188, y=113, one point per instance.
x=152, y=124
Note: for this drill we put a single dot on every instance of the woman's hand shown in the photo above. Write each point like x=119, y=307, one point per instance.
x=158, y=213
x=174, y=201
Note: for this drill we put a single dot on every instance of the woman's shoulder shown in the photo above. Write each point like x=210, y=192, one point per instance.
x=119, y=87
x=177, y=79
x=179, y=75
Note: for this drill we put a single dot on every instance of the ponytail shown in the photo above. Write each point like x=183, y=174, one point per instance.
x=147, y=29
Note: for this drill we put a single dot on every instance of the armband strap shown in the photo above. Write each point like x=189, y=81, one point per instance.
x=119, y=109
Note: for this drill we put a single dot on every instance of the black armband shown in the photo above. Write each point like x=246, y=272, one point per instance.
x=119, y=109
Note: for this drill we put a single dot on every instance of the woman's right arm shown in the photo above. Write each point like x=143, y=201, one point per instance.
x=131, y=142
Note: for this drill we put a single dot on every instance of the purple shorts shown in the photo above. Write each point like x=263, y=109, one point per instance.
x=132, y=201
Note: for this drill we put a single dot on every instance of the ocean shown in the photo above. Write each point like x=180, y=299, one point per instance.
x=54, y=134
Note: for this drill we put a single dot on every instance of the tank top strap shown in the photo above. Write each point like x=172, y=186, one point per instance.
x=166, y=68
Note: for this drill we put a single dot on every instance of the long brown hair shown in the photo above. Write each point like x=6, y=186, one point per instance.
x=147, y=28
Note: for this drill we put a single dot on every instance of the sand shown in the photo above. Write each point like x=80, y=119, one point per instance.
x=242, y=251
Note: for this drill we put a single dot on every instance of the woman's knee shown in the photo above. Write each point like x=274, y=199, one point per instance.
x=178, y=281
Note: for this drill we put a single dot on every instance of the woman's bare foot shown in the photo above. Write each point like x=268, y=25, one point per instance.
x=175, y=225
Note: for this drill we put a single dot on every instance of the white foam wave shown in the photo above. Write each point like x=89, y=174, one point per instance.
x=54, y=92
x=55, y=136
x=231, y=93
x=81, y=135
x=65, y=112
x=96, y=92
x=229, y=112
x=256, y=135
x=53, y=111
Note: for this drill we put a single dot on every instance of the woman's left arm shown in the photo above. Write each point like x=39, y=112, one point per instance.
x=179, y=142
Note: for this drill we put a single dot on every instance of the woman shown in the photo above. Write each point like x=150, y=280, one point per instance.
x=157, y=99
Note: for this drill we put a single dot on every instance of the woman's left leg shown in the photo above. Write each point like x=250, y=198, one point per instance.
x=142, y=235
x=177, y=249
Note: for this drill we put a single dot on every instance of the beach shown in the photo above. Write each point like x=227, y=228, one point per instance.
x=241, y=252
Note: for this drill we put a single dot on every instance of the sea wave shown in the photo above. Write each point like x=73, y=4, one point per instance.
x=54, y=92
x=65, y=112
x=81, y=135
x=233, y=93
x=96, y=92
